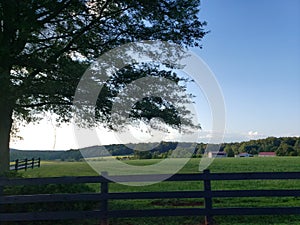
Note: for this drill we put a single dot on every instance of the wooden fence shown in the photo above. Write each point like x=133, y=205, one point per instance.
x=104, y=196
x=25, y=164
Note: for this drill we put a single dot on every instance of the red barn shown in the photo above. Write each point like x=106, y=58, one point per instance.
x=266, y=154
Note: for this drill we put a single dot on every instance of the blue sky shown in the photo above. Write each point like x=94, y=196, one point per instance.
x=254, y=50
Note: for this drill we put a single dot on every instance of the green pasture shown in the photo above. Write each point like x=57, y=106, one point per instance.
x=256, y=164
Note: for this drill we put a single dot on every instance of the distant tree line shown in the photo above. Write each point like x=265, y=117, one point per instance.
x=283, y=146
x=70, y=155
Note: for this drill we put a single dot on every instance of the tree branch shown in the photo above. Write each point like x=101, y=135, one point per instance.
x=51, y=16
x=43, y=104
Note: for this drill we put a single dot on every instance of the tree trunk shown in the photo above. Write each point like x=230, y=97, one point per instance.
x=6, y=111
x=5, y=127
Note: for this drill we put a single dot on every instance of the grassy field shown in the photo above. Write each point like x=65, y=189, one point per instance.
x=276, y=164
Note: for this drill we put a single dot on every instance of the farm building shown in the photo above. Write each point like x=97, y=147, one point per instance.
x=244, y=154
x=266, y=154
x=217, y=154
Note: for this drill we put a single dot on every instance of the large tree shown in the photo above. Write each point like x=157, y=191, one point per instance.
x=40, y=41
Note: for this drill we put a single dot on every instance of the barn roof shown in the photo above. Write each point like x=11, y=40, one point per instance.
x=267, y=153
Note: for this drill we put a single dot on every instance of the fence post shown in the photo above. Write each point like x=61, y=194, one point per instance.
x=26, y=160
x=32, y=163
x=1, y=194
x=16, y=165
x=208, y=198
x=39, y=162
x=104, y=201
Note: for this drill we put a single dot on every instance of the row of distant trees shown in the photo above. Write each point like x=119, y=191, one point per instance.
x=71, y=155
x=284, y=146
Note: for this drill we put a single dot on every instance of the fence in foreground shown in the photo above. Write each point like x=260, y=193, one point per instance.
x=103, y=213
x=24, y=164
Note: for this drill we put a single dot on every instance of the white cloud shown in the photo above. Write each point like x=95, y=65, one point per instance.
x=253, y=133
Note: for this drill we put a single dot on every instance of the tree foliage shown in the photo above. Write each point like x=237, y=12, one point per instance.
x=39, y=40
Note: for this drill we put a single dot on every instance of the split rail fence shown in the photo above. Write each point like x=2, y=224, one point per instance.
x=24, y=164
x=104, y=213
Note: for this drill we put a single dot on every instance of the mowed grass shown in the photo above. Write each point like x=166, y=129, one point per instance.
x=276, y=164
x=221, y=165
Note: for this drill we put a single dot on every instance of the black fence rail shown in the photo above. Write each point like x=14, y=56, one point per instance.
x=104, y=214
x=24, y=164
